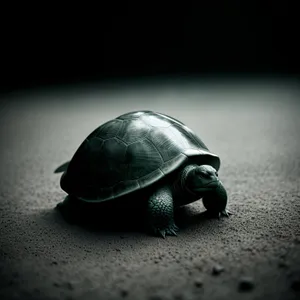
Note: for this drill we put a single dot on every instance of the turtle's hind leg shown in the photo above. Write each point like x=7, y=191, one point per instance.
x=70, y=209
x=161, y=212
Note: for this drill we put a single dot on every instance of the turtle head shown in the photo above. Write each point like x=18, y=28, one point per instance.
x=201, y=179
x=204, y=182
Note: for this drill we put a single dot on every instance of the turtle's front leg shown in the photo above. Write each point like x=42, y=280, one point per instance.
x=161, y=212
x=215, y=202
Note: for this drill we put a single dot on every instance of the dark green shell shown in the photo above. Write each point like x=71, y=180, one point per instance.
x=131, y=152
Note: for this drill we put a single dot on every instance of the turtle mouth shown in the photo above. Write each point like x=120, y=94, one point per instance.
x=208, y=186
x=213, y=184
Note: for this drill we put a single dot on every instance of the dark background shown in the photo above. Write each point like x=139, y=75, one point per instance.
x=57, y=45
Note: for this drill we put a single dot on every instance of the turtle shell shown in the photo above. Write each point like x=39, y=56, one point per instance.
x=132, y=152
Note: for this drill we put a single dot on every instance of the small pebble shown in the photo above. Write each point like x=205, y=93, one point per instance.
x=198, y=283
x=282, y=264
x=296, y=285
x=124, y=293
x=246, y=284
x=217, y=270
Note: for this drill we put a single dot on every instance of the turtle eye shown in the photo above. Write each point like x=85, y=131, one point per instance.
x=217, y=174
x=205, y=175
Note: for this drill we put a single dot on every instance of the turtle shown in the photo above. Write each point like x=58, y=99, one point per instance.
x=149, y=155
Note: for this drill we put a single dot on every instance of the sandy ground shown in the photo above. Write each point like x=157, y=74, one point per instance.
x=254, y=127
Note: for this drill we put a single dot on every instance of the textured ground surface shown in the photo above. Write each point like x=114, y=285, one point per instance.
x=253, y=127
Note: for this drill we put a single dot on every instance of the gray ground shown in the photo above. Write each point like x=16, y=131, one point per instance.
x=253, y=127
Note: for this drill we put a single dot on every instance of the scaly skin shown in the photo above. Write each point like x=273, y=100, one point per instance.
x=161, y=212
x=193, y=182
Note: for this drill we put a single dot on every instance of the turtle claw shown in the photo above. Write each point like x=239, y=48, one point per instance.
x=163, y=232
x=218, y=215
x=173, y=232
x=225, y=213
